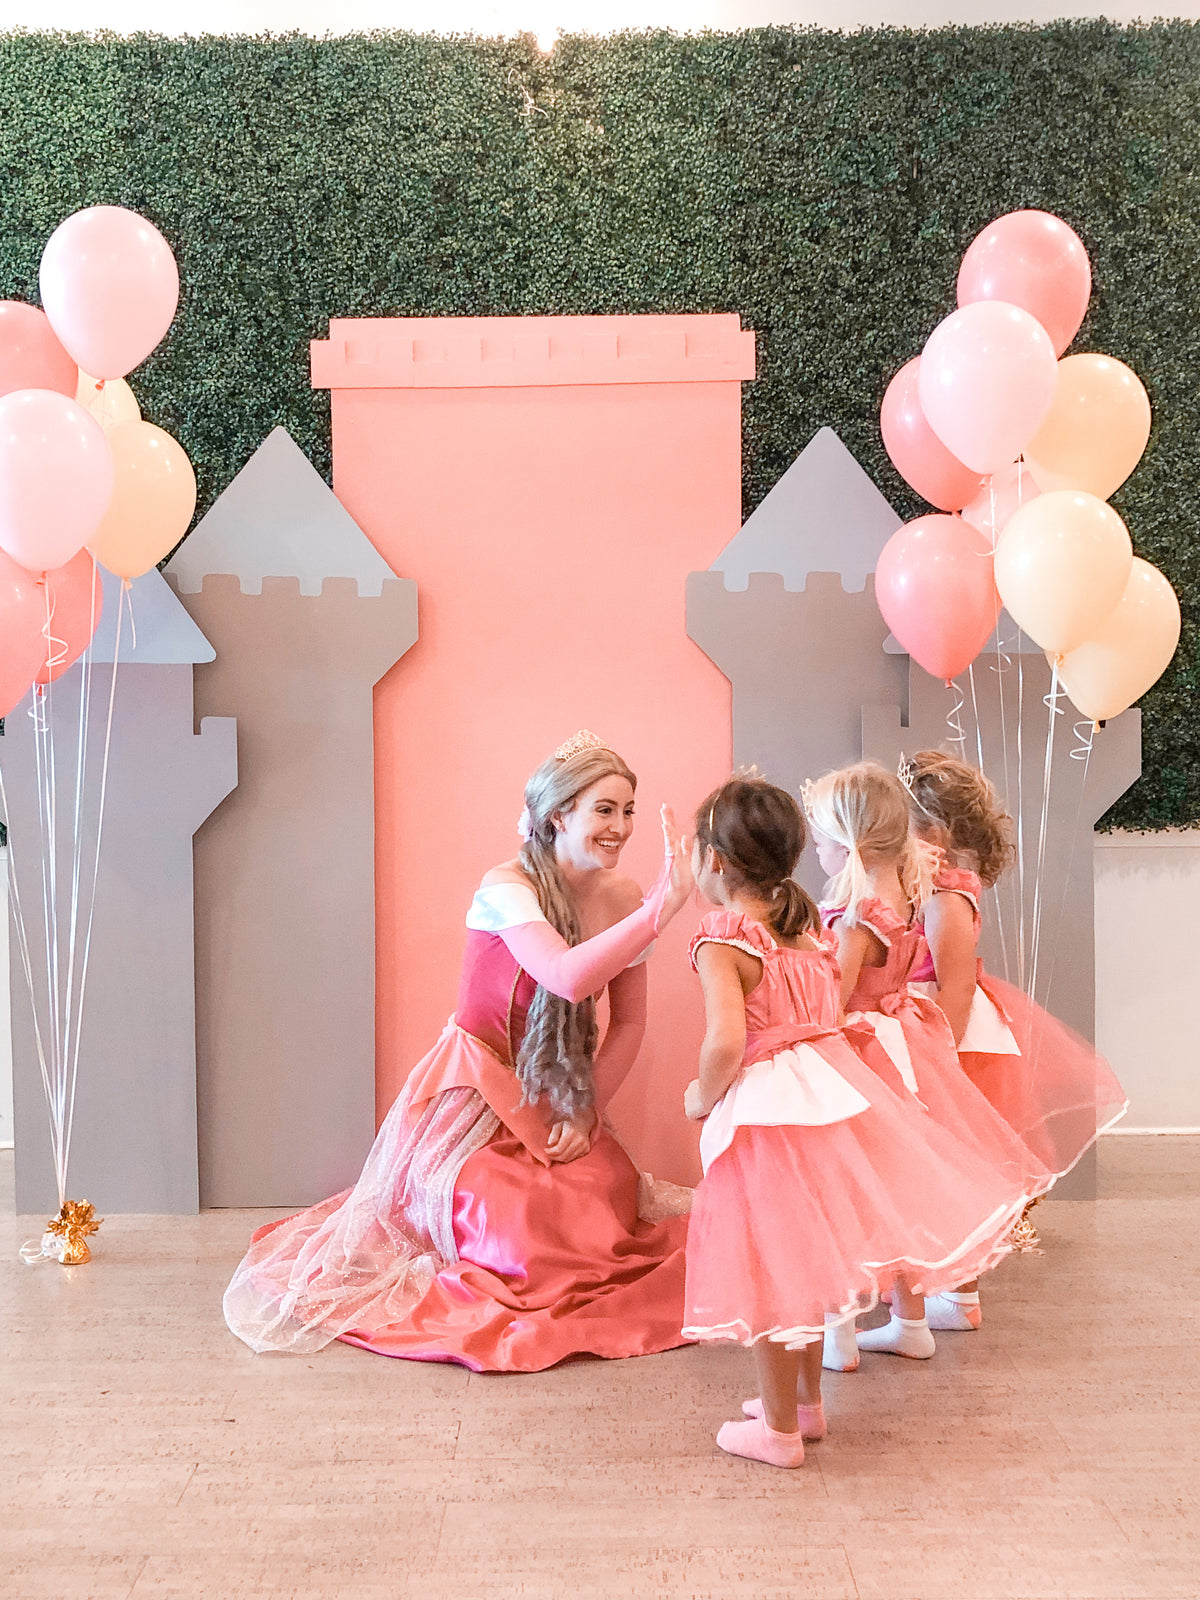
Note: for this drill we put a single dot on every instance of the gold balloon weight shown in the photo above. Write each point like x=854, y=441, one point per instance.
x=66, y=1236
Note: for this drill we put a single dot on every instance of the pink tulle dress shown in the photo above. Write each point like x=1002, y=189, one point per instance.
x=823, y=1181
x=1050, y=1086
x=916, y=1036
x=461, y=1242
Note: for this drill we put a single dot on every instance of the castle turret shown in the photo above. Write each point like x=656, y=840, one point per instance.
x=306, y=618
x=134, y=1137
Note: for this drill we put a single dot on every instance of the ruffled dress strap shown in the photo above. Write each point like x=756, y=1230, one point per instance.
x=958, y=880
x=887, y=925
x=732, y=928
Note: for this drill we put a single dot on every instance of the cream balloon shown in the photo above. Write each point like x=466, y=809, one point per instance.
x=1130, y=650
x=154, y=495
x=111, y=402
x=1061, y=567
x=1095, y=430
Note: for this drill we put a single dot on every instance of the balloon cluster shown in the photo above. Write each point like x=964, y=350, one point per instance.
x=82, y=478
x=1019, y=450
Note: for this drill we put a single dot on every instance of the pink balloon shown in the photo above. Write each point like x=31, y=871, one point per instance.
x=72, y=600
x=1000, y=497
x=1030, y=259
x=916, y=452
x=935, y=590
x=56, y=477
x=22, y=643
x=110, y=287
x=30, y=355
x=986, y=381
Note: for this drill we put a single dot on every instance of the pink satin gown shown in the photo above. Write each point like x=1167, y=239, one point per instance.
x=461, y=1242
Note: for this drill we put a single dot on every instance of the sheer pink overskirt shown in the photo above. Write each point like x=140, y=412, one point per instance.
x=954, y=1101
x=1059, y=1094
x=368, y=1255
x=793, y=1224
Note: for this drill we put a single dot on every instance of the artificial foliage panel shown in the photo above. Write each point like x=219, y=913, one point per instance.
x=822, y=185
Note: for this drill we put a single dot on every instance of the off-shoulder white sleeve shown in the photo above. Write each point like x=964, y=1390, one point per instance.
x=503, y=905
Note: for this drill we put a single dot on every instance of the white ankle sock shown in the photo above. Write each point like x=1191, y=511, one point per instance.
x=953, y=1311
x=840, y=1353
x=900, y=1337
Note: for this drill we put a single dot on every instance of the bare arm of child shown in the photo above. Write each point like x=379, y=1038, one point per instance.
x=853, y=947
x=725, y=976
x=950, y=930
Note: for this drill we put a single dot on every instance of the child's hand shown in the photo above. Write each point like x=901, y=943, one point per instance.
x=681, y=884
x=693, y=1102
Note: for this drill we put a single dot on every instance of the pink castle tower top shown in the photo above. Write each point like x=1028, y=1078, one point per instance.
x=549, y=482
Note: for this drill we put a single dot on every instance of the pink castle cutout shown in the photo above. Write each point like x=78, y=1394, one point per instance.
x=549, y=482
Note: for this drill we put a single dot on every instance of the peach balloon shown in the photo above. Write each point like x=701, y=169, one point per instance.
x=110, y=287
x=1095, y=431
x=154, y=495
x=1061, y=567
x=1030, y=259
x=110, y=400
x=986, y=382
x=1130, y=650
x=916, y=452
x=999, y=498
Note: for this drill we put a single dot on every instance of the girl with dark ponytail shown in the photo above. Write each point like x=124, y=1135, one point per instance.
x=819, y=1173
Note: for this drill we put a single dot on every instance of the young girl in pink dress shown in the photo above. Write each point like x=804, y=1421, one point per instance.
x=497, y=1222
x=823, y=1183
x=880, y=876
x=1048, y=1084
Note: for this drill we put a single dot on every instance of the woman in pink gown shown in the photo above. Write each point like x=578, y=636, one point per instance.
x=498, y=1222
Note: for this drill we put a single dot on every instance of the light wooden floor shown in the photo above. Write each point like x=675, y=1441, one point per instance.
x=144, y=1452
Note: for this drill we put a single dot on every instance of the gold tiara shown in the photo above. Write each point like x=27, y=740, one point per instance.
x=585, y=739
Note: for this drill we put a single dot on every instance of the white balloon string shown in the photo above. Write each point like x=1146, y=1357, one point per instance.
x=19, y=927
x=91, y=910
x=996, y=900
x=1020, y=814
x=81, y=754
x=1081, y=752
x=42, y=726
x=1053, y=710
x=128, y=589
x=958, y=734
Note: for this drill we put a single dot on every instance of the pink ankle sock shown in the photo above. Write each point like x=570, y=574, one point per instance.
x=811, y=1419
x=758, y=1442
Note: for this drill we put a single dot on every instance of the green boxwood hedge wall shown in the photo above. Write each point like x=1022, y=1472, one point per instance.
x=822, y=185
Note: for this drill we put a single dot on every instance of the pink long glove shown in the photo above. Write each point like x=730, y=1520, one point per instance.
x=575, y=971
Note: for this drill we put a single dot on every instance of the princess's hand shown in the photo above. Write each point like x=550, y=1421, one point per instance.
x=693, y=1102
x=571, y=1137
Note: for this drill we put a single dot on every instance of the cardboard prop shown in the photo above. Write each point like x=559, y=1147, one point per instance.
x=134, y=1141
x=306, y=618
x=549, y=482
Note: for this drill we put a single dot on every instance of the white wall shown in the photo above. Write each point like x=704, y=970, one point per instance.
x=1148, y=973
x=544, y=17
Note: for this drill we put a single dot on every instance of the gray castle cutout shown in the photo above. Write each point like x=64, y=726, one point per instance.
x=134, y=1143
x=305, y=617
